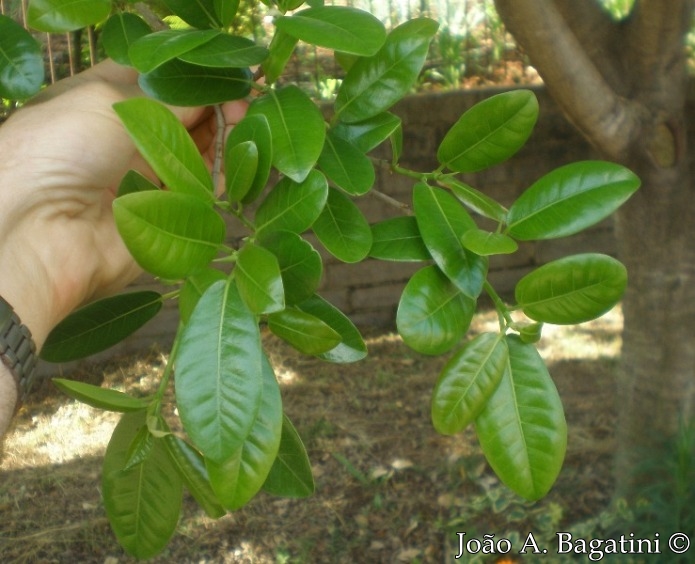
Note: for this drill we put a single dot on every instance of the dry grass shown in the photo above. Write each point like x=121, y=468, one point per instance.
x=389, y=489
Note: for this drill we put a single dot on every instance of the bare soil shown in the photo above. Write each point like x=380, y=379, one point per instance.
x=389, y=489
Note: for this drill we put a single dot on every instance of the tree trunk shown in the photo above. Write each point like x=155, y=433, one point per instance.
x=623, y=85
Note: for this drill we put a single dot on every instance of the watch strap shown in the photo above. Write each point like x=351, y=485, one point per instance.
x=17, y=350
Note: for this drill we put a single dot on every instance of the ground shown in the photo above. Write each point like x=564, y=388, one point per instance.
x=388, y=488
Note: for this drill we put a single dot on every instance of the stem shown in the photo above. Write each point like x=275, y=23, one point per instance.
x=505, y=317
x=219, y=144
x=168, y=370
x=392, y=201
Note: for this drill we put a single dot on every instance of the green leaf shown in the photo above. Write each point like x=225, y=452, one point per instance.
x=142, y=503
x=570, y=199
x=396, y=139
x=279, y=52
x=134, y=182
x=256, y=129
x=522, y=429
x=226, y=10
x=467, y=381
x=100, y=325
x=202, y=14
x=490, y=132
x=257, y=275
x=347, y=166
x=342, y=229
x=155, y=49
x=236, y=480
x=140, y=448
x=21, y=62
x=351, y=347
x=306, y=333
x=190, y=465
x=340, y=28
x=181, y=84
x=166, y=145
x=374, y=84
x=301, y=266
x=170, y=235
x=240, y=168
x=193, y=289
x=398, y=239
x=297, y=129
x=291, y=474
x=573, y=289
x=227, y=51
x=369, y=134
x=442, y=221
x=484, y=243
x=475, y=200
x=219, y=372
x=433, y=315
x=109, y=400
x=292, y=206
x=120, y=31
x=59, y=16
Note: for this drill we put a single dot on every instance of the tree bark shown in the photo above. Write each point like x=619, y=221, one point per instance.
x=623, y=85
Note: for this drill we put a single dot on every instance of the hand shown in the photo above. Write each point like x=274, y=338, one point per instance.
x=61, y=160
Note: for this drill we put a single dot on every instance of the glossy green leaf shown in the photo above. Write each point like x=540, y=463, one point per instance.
x=467, y=381
x=120, y=31
x=101, y=398
x=240, y=168
x=256, y=129
x=239, y=478
x=228, y=51
x=485, y=243
x=292, y=206
x=190, y=465
x=374, y=84
x=181, y=84
x=21, y=62
x=193, y=289
x=398, y=239
x=306, y=333
x=369, y=134
x=301, y=266
x=433, y=315
x=202, y=14
x=100, y=325
x=59, y=16
x=522, y=429
x=573, y=289
x=340, y=28
x=166, y=145
x=155, y=49
x=219, y=372
x=139, y=449
x=475, y=200
x=279, y=52
x=142, y=503
x=342, y=229
x=258, y=278
x=291, y=474
x=134, y=182
x=351, y=347
x=570, y=199
x=226, y=10
x=297, y=128
x=346, y=166
x=490, y=132
x=170, y=235
x=442, y=221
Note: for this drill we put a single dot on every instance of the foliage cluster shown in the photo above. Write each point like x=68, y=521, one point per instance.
x=236, y=440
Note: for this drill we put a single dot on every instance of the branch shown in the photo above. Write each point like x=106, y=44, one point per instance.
x=609, y=121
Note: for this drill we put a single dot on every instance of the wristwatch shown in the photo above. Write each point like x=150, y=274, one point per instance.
x=17, y=350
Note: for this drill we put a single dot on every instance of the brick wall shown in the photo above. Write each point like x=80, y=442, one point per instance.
x=369, y=291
